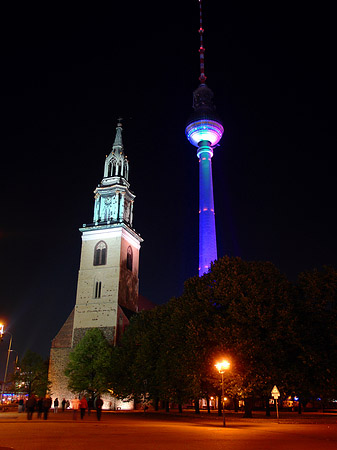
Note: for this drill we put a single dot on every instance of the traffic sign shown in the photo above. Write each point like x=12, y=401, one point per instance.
x=275, y=392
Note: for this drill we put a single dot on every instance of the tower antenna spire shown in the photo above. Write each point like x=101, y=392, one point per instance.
x=202, y=77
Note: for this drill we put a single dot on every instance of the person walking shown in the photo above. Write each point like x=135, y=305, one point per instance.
x=75, y=405
x=90, y=405
x=21, y=405
x=83, y=406
x=30, y=406
x=63, y=403
x=46, y=406
x=56, y=405
x=39, y=407
x=99, y=404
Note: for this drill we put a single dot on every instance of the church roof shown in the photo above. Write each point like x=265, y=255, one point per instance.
x=144, y=304
x=127, y=312
x=64, y=336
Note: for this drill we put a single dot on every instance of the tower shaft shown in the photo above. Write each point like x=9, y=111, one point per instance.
x=207, y=233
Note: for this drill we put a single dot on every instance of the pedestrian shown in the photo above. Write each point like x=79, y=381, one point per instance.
x=83, y=406
x=56, y=405
x=46, y=406
x=75, y=405
x=30, y=406
x=90, y=405
x=21, y=406
x=63, y=404
x=99, y=404
x=67, y=404
x=39, y=407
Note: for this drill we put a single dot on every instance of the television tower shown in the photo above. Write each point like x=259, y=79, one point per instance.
x=204, y=130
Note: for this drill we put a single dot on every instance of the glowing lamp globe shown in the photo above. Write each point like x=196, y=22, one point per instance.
x=204, y=130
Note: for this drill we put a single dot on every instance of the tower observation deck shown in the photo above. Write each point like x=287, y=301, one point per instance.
x=204, y=130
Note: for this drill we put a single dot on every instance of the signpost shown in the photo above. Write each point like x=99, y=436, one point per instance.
x=275, y=393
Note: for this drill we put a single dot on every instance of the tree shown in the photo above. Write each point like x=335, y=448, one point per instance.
x=255, y=318
x=32, y=375
x=134, y=360
x=316, y=303
x=89, y=364
x=241, y=310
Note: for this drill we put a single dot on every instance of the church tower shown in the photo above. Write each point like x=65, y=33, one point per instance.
x=108, y=276
x=107, y=288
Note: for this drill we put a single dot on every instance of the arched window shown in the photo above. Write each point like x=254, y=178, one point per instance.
x=100, y=254
x=129, y=259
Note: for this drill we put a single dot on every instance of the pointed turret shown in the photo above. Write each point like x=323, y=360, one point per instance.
x=116, y=163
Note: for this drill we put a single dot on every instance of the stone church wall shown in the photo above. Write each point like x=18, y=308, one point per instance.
x=59, y=358
x=109, y=333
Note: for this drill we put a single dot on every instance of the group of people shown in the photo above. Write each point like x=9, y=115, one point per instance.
x=40, y=404
x=83, y=405
x=43, y=404
x=65, y=404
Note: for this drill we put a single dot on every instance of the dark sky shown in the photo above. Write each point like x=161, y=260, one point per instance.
x=68, y=75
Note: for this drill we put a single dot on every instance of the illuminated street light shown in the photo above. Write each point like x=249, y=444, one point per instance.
x=2, y=332
x=222, y=367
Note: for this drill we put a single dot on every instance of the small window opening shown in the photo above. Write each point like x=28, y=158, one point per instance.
x=129, y=259
x=98, y=289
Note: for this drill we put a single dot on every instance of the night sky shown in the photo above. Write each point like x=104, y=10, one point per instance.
x=68, y=75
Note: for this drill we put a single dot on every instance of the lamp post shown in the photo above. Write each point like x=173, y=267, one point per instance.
x=222, y=367
x=7, y=360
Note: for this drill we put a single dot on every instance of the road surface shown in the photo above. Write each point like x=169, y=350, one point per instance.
x=139, y=431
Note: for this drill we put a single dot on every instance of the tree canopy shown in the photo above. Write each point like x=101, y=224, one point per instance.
x=31, y=376
x=89, y=364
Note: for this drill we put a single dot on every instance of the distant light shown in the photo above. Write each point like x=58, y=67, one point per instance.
x=296, y=399
x=204, y=130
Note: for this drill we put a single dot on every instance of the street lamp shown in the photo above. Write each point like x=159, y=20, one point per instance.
x=2, y=332
x=222, y=367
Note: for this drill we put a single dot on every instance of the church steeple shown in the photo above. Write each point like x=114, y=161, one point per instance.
x=116, y=163
x=113, y=199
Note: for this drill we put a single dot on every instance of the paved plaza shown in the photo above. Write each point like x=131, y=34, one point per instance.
x=137, y=430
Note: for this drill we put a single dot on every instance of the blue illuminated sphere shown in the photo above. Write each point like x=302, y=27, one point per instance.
x=204, y=130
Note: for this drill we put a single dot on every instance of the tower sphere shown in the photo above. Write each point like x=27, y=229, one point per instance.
x=203, y=124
